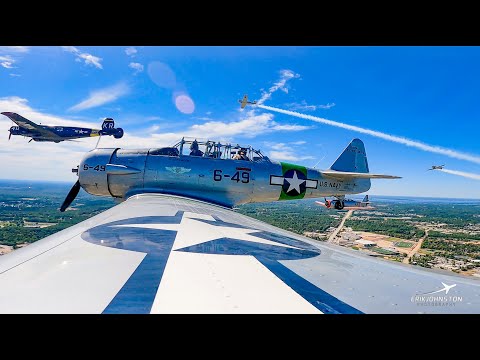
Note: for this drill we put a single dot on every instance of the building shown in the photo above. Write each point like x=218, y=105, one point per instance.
x=365, y=243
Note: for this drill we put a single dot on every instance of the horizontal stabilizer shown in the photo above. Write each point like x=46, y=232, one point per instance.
x=355, y=175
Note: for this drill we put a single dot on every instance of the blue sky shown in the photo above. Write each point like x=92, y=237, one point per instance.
x=158, y=94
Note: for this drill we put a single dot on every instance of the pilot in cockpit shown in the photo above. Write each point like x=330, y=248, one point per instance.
x=241, y=155
x=194, y=150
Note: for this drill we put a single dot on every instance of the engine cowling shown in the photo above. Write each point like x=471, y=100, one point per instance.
x=92, y=171
x=112, y=171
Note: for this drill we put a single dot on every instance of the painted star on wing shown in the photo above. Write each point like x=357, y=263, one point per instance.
x=294, y=182
x=192, y=232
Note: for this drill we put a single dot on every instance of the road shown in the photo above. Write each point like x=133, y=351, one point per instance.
x=415, y=248
x=332, y=238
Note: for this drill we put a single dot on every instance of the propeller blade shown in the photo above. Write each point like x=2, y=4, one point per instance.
x=9, y=136
x=71, y=196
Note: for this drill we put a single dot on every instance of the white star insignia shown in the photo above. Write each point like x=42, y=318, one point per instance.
x=294, y=182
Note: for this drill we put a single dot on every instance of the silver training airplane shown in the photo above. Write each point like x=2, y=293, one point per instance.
x=243, y=102
x=175, y=246
x=437, y=167
x=347, y=204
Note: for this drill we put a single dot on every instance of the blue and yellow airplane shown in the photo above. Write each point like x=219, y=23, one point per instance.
x=57, y=134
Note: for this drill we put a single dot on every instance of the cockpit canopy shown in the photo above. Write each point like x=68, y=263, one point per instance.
x=211, y=149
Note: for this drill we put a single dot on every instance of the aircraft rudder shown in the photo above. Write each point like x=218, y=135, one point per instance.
x=352, y=159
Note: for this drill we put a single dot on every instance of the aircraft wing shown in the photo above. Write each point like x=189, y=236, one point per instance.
x=164, y=254
x=30, y=125
x=353, y=175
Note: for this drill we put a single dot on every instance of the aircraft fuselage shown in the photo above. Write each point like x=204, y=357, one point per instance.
x=121, y=173
x=60, y=133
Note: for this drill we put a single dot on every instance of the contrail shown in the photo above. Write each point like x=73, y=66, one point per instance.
x=461, y=173
x=285, y=75
x=401, y=140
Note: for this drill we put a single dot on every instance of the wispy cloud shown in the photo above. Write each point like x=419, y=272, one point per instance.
x=87, y=58
x=7, y=61
x=303, y=106
x=281, y=84
x=131, y=51
x=15, y=49
x=102, y=96
x=393, y=138
x=15, y=75
x=136, y=66
x=287, y=151
x=461, y=173
x=250, y=126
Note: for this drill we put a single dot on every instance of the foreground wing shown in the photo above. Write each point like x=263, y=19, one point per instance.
x=29, y=125
x=165, y=254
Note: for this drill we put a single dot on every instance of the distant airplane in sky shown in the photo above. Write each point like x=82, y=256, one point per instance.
x=437, y=167
x=243, y=102
x=57, y=134
x=347, y=204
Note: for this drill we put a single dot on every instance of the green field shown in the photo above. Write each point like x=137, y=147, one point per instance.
x=403, y=244
x=382, y=251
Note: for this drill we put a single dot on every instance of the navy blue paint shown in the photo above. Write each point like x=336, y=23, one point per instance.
x=286, y=185
x=219, y=222
x=58, y=133
x=138, y=293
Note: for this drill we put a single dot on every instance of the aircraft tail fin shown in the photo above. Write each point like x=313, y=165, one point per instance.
x=108, y=124
x=352, y=163
x=365, y=199
x=352, y=159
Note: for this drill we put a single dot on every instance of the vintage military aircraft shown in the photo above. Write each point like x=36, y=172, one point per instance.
x=437, y=167
x=57, y=134
x=347, y=204
x=175, y=246
x=243, y=102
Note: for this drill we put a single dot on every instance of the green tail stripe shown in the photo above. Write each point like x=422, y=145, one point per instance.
x=287, y=166
x=284, y=196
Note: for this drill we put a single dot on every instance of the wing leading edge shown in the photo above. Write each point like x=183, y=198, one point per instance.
x=165, y=254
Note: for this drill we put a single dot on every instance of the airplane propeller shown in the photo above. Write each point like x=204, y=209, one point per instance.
x=71, y=196
x=9, y=136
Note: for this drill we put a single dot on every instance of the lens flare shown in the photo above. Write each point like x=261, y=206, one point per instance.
x=184, y=103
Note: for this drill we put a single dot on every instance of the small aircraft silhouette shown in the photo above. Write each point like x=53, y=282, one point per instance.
x=445, y=288
x=57, y=134
x=243, y=102
x=346, y=204
x=437, y=167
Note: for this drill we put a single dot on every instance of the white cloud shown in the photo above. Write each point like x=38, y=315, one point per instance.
x=102, y=96
x=14, y=49
x=281, y=84
x=288, y=156
x=39, y=160
x=136, y=66
x=7, y=61
x=15, y=75
x=131, y=51
x=89, y=59
x=286, y=151
x=303, y=106
x=393, y=138
x=250, y=126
